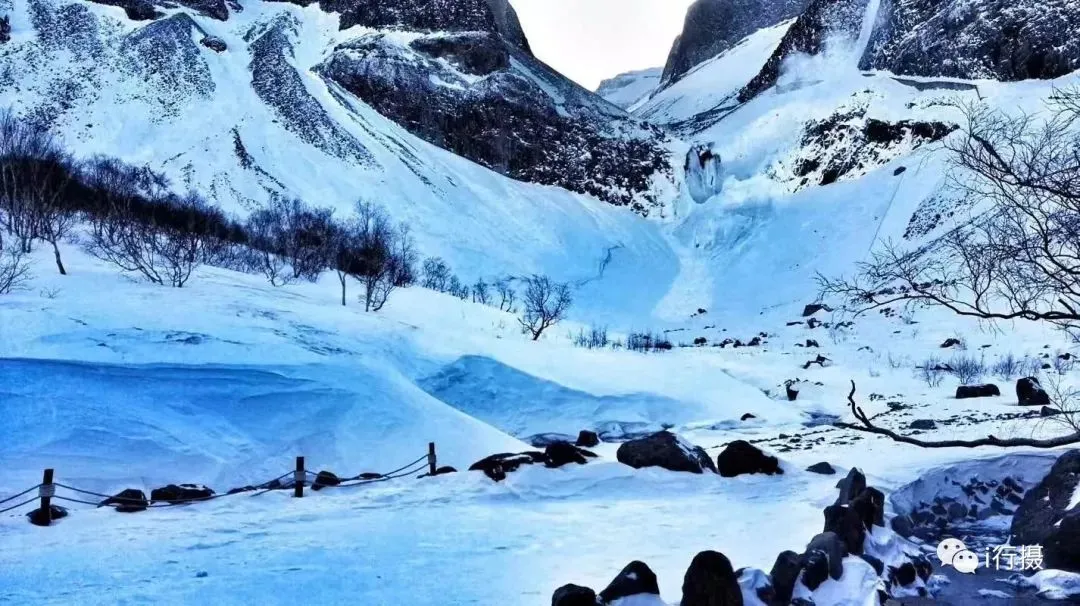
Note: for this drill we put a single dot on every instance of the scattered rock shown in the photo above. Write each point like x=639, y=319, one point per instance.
x=37, y=517
x=324, y=479
x=823, y=468
x=785, y=572
x=741, y=457
x=711, y=581
x=850, y=486
x=214, y=43
x=923, y=424
x=904, y=575
x=870, y=505
x=667, y=450
x=747, y=417
x=182, y=493
x=1030, y=393
x=497, y=466
x=573, y=595
x=587, y=439
x=903, y=526
x=899, y=171
x=792, y=387
x=128, y=500
x=824, y=558
x=951, y=342
x=977, y=391
x=637, y=578
x=445, y=469
x=543, y=440
x=1044, y=516
x=846, y=524
x=820, y=360
x=813, y=308
x=1046, y=411
x=564, y=453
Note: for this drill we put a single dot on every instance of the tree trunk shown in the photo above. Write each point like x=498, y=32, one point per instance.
x=59, y=263
x=341, y=277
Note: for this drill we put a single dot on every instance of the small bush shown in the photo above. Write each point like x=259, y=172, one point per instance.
x=1007, y=367
x=931, y=371
x=595, y=338
x=646, y=342
x=968, y=369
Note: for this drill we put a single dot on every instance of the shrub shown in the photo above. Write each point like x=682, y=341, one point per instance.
x=595, y=338
x=968, y=369
x=545, y=304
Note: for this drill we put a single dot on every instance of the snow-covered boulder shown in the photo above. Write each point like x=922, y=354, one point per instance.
x=129, y=500
x=1029, y=392
x=573, y=595
x=711, y=581
x=1049, y=514
x=667, y=450
x=181, y=493
x=704, y=172
x=741, y=457
x=977, y=391
x=637, y=579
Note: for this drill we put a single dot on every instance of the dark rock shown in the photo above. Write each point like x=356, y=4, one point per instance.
x=923, y=424
x=784, y=574
x=813, y=308
x=38, y=517
x=1041, y=517
x=445, y=469
x=1046, y=411
x=823, y=468
x=792, y=387
x=128, y=500
x=713, y=26
x=181, y=493
x=1030, y=393
x=923, y=567
x=820, y=360
x=747, y=417
x=543, y=440
x=497, y=466
x=637, y=578
x=904, y=575
x=846, y=524
x=369, y=475
x=950, y=342
x=214, y=43
x=711, y=581
x=956, y=511
x=587, y=439
x=664, y=449
x=215, y=9
x=870, y=505
x=850, y=486
x=5, y=29
x=741, y=457
x=899, y=171
x=136, y=10
x=823, y=558
x=878, y=565
x=324, y=479
x=812, y=343
x=977, y=391
x=564, y=453
x=903, y=526
x=573, y=595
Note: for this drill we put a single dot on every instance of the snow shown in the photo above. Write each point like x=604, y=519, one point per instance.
x=629, y=89
x=1056, y=584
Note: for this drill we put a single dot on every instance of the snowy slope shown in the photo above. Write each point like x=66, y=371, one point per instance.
x=626, y=90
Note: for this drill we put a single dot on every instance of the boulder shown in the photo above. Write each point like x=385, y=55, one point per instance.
x=181, y=493
x=813, y=308
x=792, y=388
x=667, y=450
x=823, y=468
x=877, y=564
x=445, y=469
x=964, y=392
x=950, y=342
x=498, y=465
x=850, y=486
x=904, y=575
x=324, y=479
x=37, y=517
x=543, y=440
x=564, y=453
x=870, y=505
x=784, y=573
x=573, y=595
x=823, y=558
x=128, y=500
x=1030, y=393
x=741, y=457
x=214, y=43
x=637, y=578
x=1045, y=518
x=587, y=439
x=845, y=523
x=923, y=424
x=711, y=581
x=747, y=416
x=903, y=526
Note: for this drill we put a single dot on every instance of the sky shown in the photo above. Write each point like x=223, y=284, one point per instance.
x=592, y=40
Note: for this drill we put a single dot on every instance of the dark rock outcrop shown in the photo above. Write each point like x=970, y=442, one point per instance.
x=977, y=391
x=713, y=26
x=1044, y=517
x=564, y=453
x=573, y=595
x=665, y=449
x=823, y=559
x=846, y=524
x=497, y=466
x=784, y=574
x=181, y=493
x=824, y=468
x=711, y=581
x=996, y=39
x=637, y=578
x=1029, y=392
x=129, y=500
x=870, y=505
x=5, y=29
x=851, y=486
x=587, y=439
x=741, y=457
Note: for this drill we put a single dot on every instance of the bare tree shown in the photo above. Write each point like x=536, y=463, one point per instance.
x=481, y=292
x=436, y=274
x=1020, y=257
x=14, y=269
x=504, y=287
x=384, y=257
x=546, y=303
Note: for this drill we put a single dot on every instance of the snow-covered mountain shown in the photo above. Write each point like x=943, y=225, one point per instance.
x=625, y=90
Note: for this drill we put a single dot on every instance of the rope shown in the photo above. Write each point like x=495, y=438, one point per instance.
x=27, y=502
x=390, y=476
x=15, y=496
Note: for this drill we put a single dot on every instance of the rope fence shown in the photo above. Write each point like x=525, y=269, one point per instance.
x=44, y=514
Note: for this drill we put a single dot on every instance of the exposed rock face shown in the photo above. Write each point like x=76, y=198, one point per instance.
x=491, y=102
x=704, y=173
x=713, y=26
x=822, y=21
x=1045, y=517
x=998, y=39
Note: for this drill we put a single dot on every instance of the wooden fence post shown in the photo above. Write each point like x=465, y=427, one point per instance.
x=299, y=476
x=431, y=458
x=46, y=493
